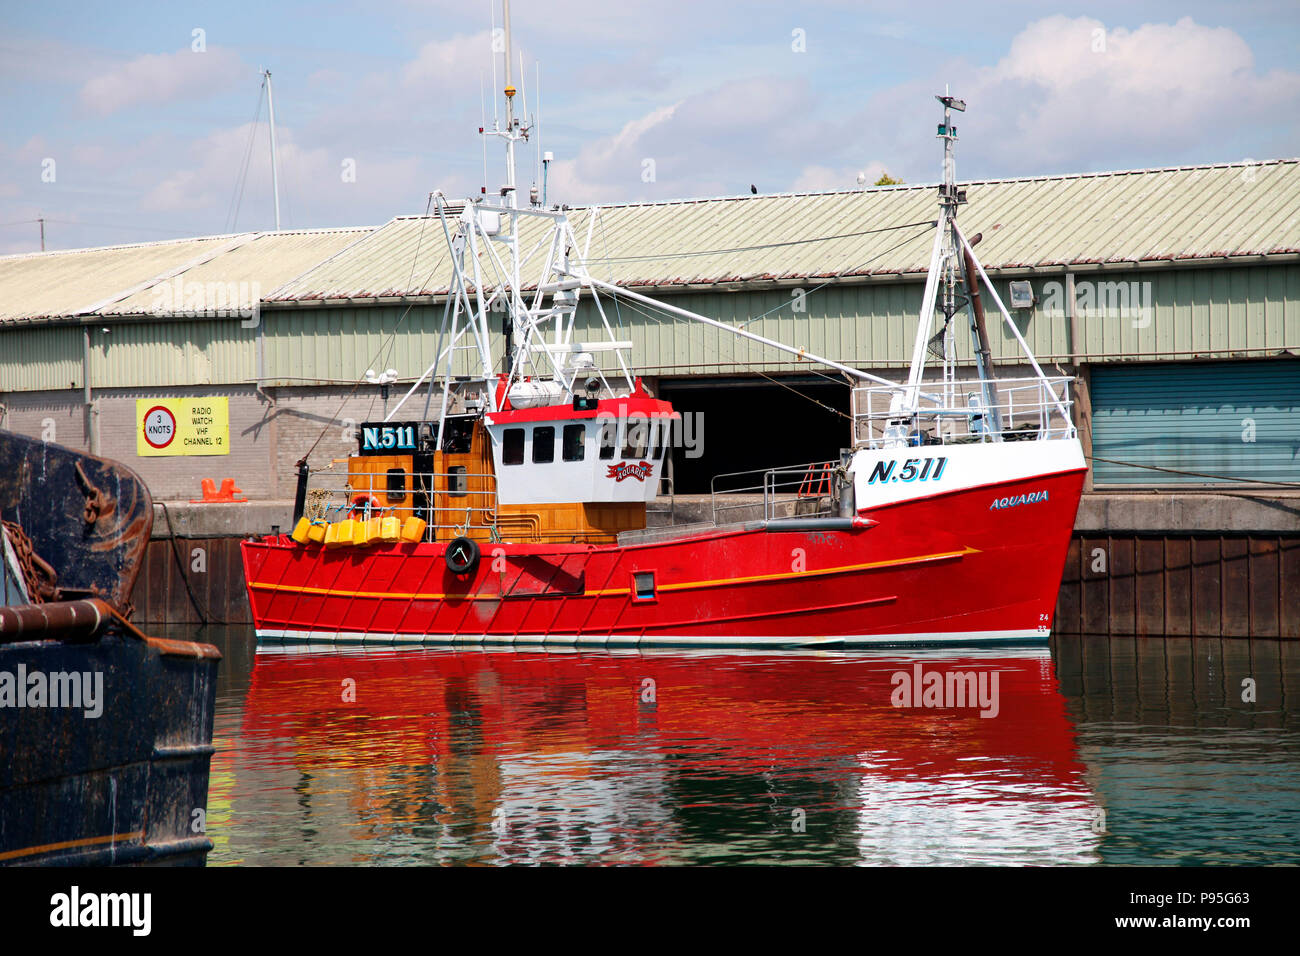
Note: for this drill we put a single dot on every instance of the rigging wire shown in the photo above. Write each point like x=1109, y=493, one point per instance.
x=383, y=345
x=482, y=105
x=103, y=225
x=634, y=307
x=609, y=274
x=649, y=257
x=237, y=199
x=839, y=275
x=419, y=241
x=537, y=124
x=1196, y=474
x=789, y=387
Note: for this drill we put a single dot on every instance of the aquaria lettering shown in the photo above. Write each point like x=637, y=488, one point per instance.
x=1032, y=498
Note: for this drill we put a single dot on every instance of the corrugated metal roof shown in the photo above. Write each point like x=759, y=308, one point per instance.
x=1220, y=212
x=1138, y=216
x=119, y=280
x=48, y=284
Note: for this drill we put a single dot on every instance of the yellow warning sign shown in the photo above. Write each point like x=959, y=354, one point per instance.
x=182, y=426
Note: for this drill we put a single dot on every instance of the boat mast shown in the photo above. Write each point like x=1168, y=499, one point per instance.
x=510, y=199
x=484, y=226
x=275, y=181
x=947, y=265
x=959, y=269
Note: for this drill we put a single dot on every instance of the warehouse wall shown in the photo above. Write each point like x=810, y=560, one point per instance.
x=179, y=476
x=338, y=344
x=40, y=358
x=301, y=415
x=311, y=356
x=1174, y=313
x=269, y=432
x=57, y=416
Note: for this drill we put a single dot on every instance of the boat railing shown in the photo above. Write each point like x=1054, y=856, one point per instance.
x=807, y=489
x=663, y=509
x=965, y=411
x=455, y=502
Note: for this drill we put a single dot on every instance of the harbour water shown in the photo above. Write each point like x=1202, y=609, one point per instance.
x=1092, y=751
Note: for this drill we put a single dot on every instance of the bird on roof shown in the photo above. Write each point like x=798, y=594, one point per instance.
x=753, y=189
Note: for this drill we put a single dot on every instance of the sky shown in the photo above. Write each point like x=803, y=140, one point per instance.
x=135, y=121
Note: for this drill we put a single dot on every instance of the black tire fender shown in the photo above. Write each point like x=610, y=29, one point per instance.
x=462, y=555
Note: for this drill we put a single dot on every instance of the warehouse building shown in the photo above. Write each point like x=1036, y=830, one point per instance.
x=1174, y=295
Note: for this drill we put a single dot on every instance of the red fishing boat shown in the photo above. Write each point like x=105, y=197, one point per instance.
x=517, y=513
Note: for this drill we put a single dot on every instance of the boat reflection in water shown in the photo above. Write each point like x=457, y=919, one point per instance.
x=425, y=756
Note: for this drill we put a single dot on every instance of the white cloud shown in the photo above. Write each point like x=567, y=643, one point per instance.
x=716, y=142
x=456, y=63
x=1071, y=93
x=157, y=78
x=623, y=84
x=312, y=185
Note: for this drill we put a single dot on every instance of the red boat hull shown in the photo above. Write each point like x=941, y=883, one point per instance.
x=977, y=564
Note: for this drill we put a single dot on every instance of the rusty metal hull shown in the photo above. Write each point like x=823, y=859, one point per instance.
x=123, y=776
x=105, y=732
x=89, y=518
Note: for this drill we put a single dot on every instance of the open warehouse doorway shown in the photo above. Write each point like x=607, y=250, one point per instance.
x=750, y=422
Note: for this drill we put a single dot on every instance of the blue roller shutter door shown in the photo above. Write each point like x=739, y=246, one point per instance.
x=1236, y=419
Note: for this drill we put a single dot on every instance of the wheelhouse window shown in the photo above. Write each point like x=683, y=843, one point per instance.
x=457, y=481
x=543, y=444
x=396, y=490
x=637, y=438
x=658, y=437
x=608, y=438
x=512, y=446
x=575, y=442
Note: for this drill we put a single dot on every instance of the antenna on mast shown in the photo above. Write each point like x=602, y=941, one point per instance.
x=537, y=124
x=510, y=111
x=496, y=115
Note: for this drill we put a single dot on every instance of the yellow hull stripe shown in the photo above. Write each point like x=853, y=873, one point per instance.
x=723, y=582
x=614, y=592
x=72, y=844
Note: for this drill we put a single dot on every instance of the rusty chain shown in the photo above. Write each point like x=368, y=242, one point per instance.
x=40, y=579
